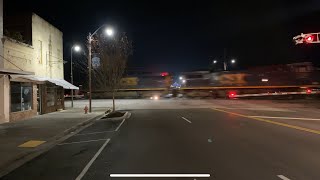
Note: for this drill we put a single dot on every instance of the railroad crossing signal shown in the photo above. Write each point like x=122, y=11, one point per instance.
x=307, y=38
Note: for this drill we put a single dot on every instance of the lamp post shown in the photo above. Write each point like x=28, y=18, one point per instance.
x=109, y=32
x=77, y=49
x=225, y=63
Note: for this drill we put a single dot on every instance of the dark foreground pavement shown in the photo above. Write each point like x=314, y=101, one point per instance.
x=45, y=129
x=197, y=141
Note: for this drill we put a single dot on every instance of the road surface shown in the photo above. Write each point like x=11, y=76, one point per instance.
x=225, y=143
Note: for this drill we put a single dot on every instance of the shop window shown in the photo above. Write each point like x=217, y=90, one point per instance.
x=51, y=94
x=60, y=96
x=21, y=96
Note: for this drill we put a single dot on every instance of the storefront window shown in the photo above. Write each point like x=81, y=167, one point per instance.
x=51, y=93
x=60, y=96
x=21, y=96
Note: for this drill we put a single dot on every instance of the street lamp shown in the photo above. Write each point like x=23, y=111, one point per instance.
x=109, y=32
x=77, y=49
x=225, y=64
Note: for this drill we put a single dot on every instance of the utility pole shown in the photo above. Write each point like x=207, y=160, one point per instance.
x=224, y=59
x=71, y=76
x=109, y=32
x=90, y=67
x=225, y=62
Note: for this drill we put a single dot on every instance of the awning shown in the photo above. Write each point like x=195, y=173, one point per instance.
x=63, y=83
x=59, y=82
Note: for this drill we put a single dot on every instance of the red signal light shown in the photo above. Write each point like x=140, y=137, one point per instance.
x=309, y=38
x=164, y=74
x=309, y=91
x=232, y=94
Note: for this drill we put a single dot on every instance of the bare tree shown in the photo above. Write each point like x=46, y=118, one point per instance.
x=113, y=54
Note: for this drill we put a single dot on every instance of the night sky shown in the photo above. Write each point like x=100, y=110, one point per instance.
x=183, y=35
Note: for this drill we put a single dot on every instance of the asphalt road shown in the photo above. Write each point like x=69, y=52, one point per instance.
x=181, y=141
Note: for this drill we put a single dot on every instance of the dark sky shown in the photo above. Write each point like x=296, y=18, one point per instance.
x=182, y=35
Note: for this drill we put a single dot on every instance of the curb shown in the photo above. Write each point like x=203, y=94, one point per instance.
x=125, y=116
x=76, y=127
x=28, y=156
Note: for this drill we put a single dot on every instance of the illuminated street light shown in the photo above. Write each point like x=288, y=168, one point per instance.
x=215, y=61
x=109, y=31
x=77, y=49
x=184, y=81
x=225, y=64
x=180, y=77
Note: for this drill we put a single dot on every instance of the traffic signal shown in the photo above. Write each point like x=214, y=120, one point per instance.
x=164, y=74
x=232, y=94
x=309, y=91
x=309, y=38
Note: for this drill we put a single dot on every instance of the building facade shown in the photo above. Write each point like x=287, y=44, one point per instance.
x=31, y=69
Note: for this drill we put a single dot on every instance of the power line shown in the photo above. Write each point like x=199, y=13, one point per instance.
x=11, y=63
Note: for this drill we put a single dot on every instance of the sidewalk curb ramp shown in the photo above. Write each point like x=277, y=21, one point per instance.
x=25, y=157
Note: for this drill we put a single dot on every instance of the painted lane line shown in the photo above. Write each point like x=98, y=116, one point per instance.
x=186, y=119
x=82, y=142
x=271, y=122
x=271, y=117
x=120, y=125
x=99, y=132
x=86, y=168
x=283, y=177
x=160, y=175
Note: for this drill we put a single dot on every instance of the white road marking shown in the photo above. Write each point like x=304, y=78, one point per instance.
x=86, y=168
x=99, y=132
x=120, y=125
x=270, y=117
x=186, y=119
x=160, y=175
x=283, y=177
x=82, y=142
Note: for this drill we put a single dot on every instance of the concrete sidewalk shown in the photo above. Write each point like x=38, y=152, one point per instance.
x=46, y=129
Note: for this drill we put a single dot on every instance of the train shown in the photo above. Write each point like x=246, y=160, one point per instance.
x=293, y=78
x=271, y=80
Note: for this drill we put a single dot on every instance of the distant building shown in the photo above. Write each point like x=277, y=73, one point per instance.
x=31, y=68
